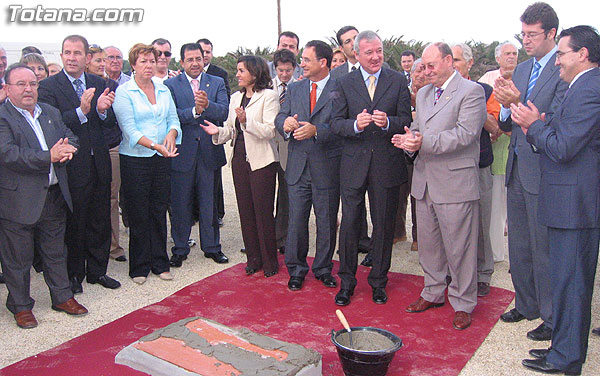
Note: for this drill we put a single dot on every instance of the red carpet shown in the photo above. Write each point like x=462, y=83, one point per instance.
x=431, y=345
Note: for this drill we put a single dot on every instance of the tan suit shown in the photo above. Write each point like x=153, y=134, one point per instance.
x=446, y=186
x=259, y=131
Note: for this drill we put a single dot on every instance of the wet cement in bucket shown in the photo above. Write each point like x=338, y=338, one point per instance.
x=365, y=341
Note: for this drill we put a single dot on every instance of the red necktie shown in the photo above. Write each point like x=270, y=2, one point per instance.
x=313, y=97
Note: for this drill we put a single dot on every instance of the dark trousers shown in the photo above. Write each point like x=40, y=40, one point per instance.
x=187, y=187
x=282, y=209
x=400, y=230
x=574, y=258
x=383, y=206
x=88, y=229
x=218, y=190
x=16, y=253
x=325, y=202
x=255, y=194
x=146, y=187
x=528, y=252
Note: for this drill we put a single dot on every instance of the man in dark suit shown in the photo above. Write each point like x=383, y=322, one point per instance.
x=198, y=96
x=215, y=70
x=569, y=200
x=85, y=101
x=370, y=105
x=312, y=172
x=34, y=195
x=287, y=40
x=345, y=38
x=537, y=80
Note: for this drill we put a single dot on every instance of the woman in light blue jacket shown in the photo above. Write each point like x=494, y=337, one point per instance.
x=148, y=119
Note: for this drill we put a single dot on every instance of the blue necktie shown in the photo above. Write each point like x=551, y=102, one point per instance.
x=533, y=79
x=78, y=87
x=438, y=94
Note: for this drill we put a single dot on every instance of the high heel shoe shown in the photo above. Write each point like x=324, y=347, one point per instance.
x=270, y=274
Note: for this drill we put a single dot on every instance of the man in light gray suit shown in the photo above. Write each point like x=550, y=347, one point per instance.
x=34, y=195
x=312, y=172
x=536, y=80
x=450, y=115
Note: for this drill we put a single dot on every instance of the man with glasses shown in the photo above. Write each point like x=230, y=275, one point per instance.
x=536, y=80
x=114, y=65
x=35, y=144
x=163, y=47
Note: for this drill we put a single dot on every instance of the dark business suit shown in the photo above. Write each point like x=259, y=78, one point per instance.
x=312, y=176
x=194, y=169
x=219, y=201
x=569, y=205
x=369, y=163
x=31, y=210
x=88, y=228
x=527, y=239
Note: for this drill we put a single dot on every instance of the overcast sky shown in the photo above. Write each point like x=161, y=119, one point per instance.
x=251, y=23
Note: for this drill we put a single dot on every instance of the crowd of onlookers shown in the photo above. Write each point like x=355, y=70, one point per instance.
x=514, y=154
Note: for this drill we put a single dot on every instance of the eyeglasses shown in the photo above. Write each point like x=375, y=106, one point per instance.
x=166, y=53
x=111, y=58
x=22, y=84
x=532, y=35
x=560, y=54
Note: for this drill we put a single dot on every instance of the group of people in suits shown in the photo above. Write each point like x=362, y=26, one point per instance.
x=347, y=132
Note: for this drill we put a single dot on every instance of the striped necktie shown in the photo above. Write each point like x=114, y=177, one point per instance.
x=438, y=94
x=535, y=73
x=282, y=94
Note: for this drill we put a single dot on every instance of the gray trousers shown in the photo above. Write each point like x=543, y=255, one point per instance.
x=448, y=242
x=485, y=254
x=528, y=252
x=16, y=251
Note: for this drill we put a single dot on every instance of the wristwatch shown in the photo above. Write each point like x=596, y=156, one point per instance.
x=152, y=146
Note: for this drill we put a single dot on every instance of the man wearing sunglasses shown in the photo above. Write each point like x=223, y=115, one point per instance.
x=163, y=47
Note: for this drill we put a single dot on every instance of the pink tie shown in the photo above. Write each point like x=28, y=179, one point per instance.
x=195, y=85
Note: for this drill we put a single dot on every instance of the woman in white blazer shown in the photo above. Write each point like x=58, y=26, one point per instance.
x=250, y=125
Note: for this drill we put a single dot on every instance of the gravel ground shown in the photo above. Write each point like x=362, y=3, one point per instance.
x=500, y=353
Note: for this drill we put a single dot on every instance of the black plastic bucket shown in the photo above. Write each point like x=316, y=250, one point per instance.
x=371, y=362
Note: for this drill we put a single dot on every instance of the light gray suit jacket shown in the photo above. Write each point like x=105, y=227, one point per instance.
x=448, y=161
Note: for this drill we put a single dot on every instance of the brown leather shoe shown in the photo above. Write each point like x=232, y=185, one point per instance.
x=414, y=246
x=26, y=320
x=422, y=305
x=462, y=320
x=71, y=307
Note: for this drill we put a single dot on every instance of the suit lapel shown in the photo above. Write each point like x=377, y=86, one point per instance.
x=255, y=97
x=545, y=76
x=65, y=86
x=383, y=84
x=446, y=96
x=30, y=135
x=204, y=83
x=359, y=85
x=303, y=97
x=323, y=98
x=522, y=81
x=48, y=129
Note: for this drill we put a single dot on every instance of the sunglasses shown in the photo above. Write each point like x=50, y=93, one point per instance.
x=166, y=53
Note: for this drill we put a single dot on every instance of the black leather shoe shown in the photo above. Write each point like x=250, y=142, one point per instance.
x=177, y=260
x=2, y=278
x=76, y=287
x=270, y=274
x=250, y=271
x=342, y=298
x=539, y=353
x=328, y=280
x=512, y=316
x=121, y=258
x=541, y=333
x=105, y=281
x=596, y=331
x=295, y=283
x=282, y=250
x=220, y=222
x=379, y=295
x=217, y=257
x=542, y=365
x=367, y=261
x=243, y=250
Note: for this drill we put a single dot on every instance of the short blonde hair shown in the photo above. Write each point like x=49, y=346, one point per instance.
x=141, y=49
